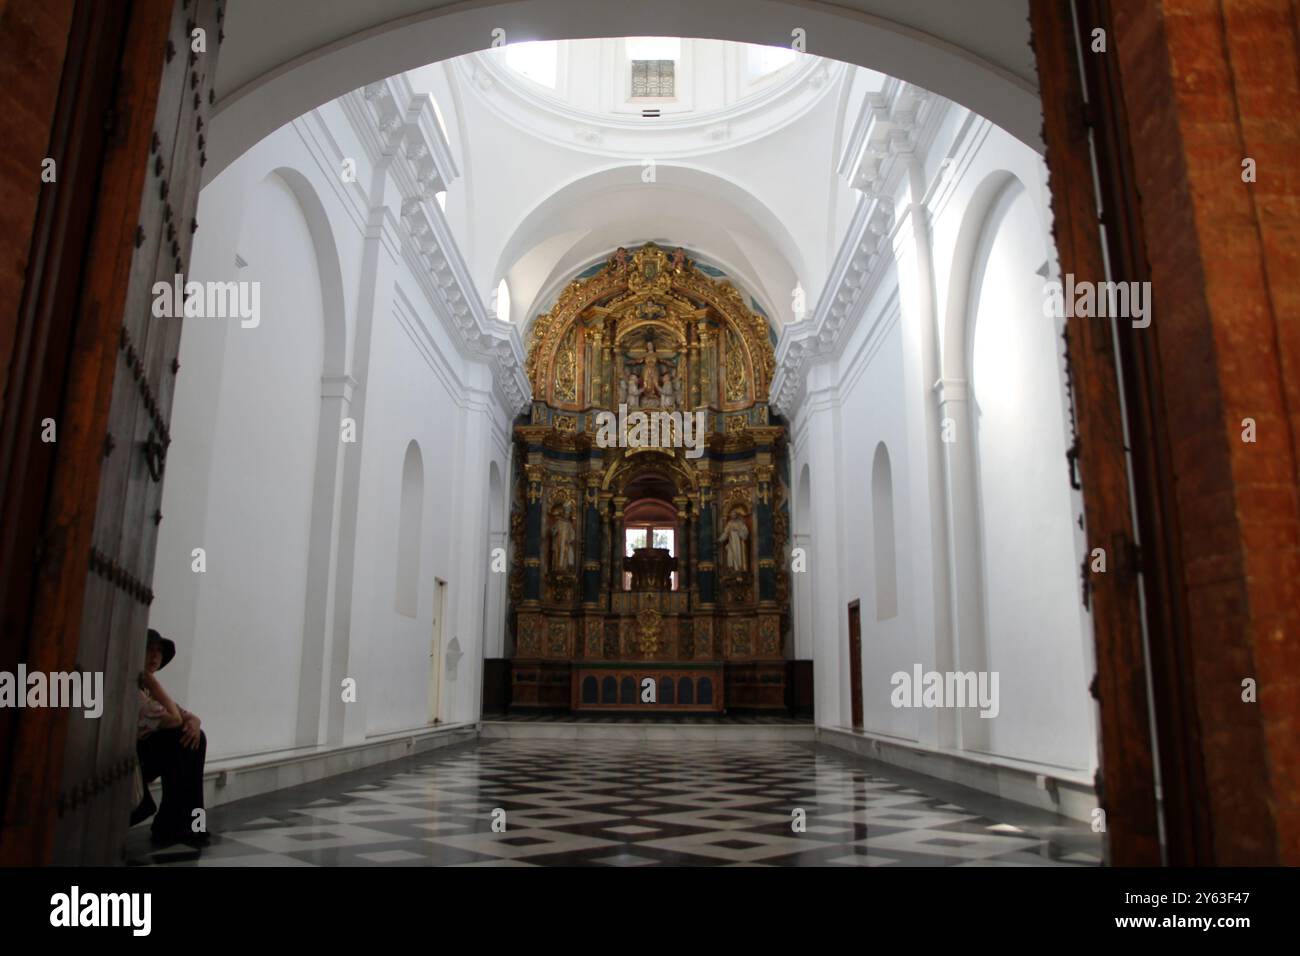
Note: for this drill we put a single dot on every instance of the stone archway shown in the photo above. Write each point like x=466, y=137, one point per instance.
x=1193, y=656
x=298, y=56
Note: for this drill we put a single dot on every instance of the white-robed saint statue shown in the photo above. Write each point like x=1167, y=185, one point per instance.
x=563, y=534
x=667, y=394
x=735, y=539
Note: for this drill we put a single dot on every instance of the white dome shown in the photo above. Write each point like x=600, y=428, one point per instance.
x=635, y=96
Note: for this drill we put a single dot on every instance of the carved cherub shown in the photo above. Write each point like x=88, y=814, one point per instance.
x=620, y=260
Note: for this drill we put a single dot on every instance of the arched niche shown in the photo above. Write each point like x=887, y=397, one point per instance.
x=882, y=534
x=409, y=536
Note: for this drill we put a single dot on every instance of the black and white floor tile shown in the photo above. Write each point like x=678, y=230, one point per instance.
x=631, y=803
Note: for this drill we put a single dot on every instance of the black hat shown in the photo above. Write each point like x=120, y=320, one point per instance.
x=168, y=647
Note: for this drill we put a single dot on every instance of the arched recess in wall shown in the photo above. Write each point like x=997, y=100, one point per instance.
x=268, y=504
x=329, y=264
x=1034, y=628
x=882, y=534
x=409, y=526
x=321, y=653
x=969, y=637
x=501, y=303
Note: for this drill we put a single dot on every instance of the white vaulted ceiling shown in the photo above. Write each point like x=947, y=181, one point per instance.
x=742, y=171
x=282, y=59
x=725, y=94
x=717, y=220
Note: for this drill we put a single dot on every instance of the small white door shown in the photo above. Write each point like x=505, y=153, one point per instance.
x=435, y=655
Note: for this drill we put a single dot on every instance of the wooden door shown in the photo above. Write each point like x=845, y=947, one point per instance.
x=117, y=596
x=435, y=655
x=134, y=101
x=1108, y=430
x=855, y=662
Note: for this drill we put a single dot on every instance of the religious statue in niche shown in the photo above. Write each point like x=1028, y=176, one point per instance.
x=650, y=380
x=735, y=541
x=629, y=391
x=563, y=537
x=666, y=390
x=620, y=260
x=647, y=389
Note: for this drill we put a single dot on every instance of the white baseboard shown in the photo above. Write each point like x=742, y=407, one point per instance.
x=236, y=778
x=588, y=730
x=1069, y=797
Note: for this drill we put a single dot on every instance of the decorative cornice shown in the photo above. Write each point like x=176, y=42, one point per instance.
x=898, y=119
x=400, y=128
x=888, y=125
x=857, y=268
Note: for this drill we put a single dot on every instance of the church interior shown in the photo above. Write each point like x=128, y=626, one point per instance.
x=653, y=394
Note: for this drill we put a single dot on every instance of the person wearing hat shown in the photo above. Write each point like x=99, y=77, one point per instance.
x=171, y=745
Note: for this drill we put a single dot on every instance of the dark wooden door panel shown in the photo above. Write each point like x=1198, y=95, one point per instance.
x=855, y=664
x=1126, y=779
x=116, y=609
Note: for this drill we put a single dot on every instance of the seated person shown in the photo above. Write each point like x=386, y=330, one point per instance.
x=170, y=745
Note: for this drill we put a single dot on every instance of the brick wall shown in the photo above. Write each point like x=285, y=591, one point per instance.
x=1208, y=83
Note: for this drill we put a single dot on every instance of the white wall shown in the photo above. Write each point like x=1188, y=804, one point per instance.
x=987, y=545
x=1031, y=572
x=301, y=527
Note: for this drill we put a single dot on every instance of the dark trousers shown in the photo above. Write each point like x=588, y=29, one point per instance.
x=162, y=755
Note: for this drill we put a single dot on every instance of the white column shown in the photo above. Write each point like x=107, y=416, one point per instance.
x=919, y=325
x=966, y=566
x=464, y=690
x=317, y=699
x=350, y=644
x=830, y=614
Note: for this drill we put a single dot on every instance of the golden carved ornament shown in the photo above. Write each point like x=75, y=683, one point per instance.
x=649, y=626
x=735, y=381
x=628, y=281
x=561, y=496
x=566, y=368
x=738, y=497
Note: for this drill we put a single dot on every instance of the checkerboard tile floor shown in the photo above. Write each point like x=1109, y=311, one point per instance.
x=630, y=803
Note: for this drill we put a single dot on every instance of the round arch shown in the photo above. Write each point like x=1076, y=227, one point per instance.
x=626, y=467
x=328, y=263
x=283, y=60
x=990, y=200
x=689, y=185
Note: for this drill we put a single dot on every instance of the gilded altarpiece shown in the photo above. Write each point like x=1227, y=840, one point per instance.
x=650, y=418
